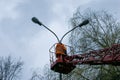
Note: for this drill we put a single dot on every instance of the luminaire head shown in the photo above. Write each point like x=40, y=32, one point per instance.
x=35, y=20
x=85, y=22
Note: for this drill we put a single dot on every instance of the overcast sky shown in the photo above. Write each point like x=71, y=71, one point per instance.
x=20, y=37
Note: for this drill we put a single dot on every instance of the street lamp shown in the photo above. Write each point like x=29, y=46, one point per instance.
x=35, y=20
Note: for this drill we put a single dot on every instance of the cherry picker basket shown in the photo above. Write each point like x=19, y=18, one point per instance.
x=61, y=64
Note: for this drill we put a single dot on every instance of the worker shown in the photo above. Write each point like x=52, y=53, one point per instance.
x=60, y=50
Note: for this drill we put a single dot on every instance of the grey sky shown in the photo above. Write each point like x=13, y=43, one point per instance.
x=19, y=37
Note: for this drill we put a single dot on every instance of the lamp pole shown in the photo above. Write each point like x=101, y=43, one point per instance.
x=60, y=75
x=35, y=20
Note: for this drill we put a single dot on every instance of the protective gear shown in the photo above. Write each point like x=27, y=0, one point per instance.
x=60, y=49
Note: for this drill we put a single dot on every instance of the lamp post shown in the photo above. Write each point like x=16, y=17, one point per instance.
x=35, y=20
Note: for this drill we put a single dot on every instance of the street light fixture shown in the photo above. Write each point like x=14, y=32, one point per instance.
x=35, y=20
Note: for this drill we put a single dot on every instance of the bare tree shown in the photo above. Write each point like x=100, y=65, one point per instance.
x=37, y=76
x=102, y=31
x=46, y=75
x=9, y=69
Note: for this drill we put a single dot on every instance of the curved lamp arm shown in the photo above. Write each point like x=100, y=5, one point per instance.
x=35, y=20
x=85, y=22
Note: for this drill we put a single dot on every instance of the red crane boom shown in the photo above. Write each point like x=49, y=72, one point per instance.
x=65, y=64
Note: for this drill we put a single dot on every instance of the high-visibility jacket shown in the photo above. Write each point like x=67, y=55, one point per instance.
x=60, y=49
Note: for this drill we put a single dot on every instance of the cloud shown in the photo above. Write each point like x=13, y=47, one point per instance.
x=109, y=5
x=8, y=8
x=19, y=36
x=7, y=45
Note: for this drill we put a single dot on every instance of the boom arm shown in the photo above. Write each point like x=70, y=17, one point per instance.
x=65, y=64
x=98, y=57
